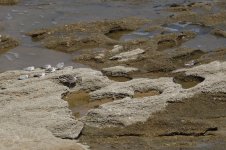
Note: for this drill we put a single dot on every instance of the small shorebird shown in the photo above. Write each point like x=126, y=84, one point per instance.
x=31, y=68
x=39, y=75
x=23, y=77
x=51, y=70
x=46, y=66
x=60, y=66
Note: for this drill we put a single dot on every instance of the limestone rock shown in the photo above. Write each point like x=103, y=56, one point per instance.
x=126, y=56
x=17, y=137
x=33, y=112
x=130, y=110
x=68, y=80
x=118, y=71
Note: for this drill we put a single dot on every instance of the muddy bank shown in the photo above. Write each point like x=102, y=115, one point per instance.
x=8, y=2
x=73, y=37
x=7, y=43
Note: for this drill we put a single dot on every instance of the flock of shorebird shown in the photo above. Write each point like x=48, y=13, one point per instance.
x=48, y=69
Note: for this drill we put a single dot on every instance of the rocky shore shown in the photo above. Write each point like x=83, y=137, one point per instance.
x=148, y=84
x=33, y=109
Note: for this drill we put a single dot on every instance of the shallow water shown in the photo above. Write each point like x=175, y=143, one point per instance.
x=79, y=102
x=206, y=42
x=29, y=15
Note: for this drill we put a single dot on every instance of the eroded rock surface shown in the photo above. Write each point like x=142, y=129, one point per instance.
x=128, y=111
x=178, y=117
x=126, y=56
x=118, y=71
x=7, y=42
x=33, y=106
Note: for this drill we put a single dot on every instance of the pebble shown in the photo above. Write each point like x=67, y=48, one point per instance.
x=23, y=77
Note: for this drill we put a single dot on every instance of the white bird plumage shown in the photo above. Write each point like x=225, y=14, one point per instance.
x=31, y=68
x=60, y=66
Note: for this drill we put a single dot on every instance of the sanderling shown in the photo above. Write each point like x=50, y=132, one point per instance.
x=51, y=70
x=60, y=66
x=23, y=77
x=48, y=66
x=31, y=68
x=40, y=75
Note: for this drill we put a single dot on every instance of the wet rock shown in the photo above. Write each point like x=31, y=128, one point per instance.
x=39, y=34
x=7, y=42
x=85, y=35
x=100, y=58
x=219, y=32
x=68, y=80
x=8, y=2
x=126, y=56
x=118, y=71
x=189, y=6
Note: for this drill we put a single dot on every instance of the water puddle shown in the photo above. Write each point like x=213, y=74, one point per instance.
x=204, y=39
x=119, y=79
x=139, y=94
x=188, y=57
x=79, y=102
x=188, y=81
x=187, y=26
x=206, y=42
x=23, y=56
x=169, y=28
x=212, y=9
x=166, y=44
x=126, y=36
x=117, y=35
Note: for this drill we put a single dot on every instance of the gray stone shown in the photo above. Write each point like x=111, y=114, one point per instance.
x=126, y=56
x=118, y=71
x=68, y=80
